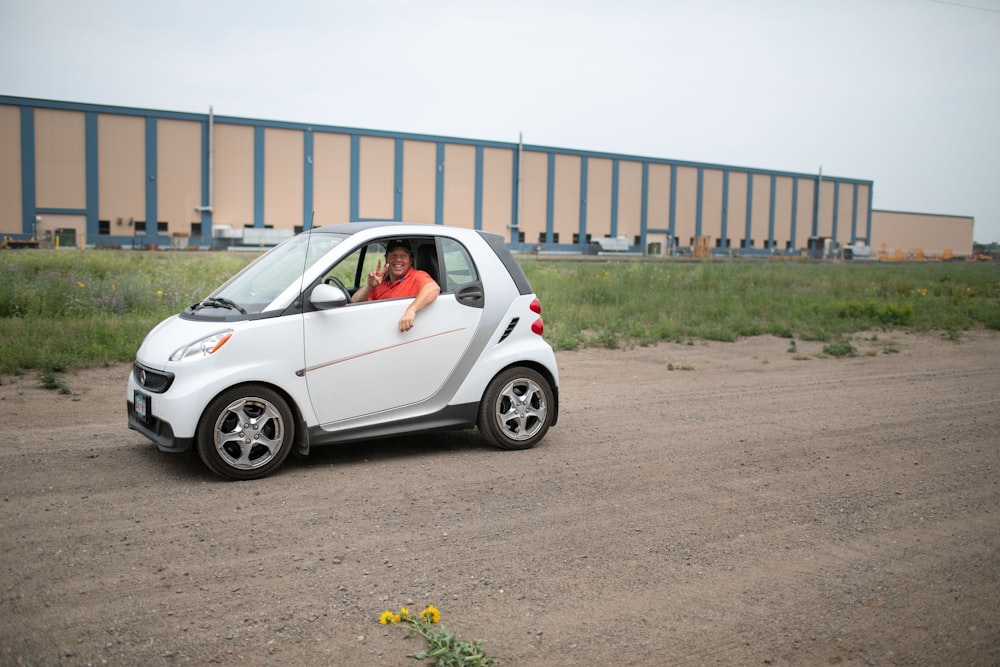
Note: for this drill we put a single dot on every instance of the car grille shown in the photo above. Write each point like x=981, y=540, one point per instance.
x=150, y=380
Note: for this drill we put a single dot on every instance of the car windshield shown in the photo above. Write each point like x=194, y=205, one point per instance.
x=276, y=273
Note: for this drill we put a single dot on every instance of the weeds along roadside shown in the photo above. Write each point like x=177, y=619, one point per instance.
x=73, y=309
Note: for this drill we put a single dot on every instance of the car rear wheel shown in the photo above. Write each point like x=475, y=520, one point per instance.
x=515, y=412
x=246, y=432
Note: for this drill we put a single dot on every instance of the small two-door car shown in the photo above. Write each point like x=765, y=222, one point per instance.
x=279, y=358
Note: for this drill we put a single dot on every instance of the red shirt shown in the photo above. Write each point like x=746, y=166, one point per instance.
x=406, y=286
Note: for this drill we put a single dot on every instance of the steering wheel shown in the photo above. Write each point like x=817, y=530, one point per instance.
x=336, y=282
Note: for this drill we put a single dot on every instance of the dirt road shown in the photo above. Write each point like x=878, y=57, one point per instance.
x=729, y=504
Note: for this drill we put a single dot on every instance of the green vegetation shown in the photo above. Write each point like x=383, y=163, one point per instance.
x=588, y=304
x=61, y=309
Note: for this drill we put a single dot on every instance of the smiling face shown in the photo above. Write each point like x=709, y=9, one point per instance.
x=398, y=261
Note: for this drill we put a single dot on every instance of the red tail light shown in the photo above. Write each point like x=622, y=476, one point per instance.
x=536, y=306
x=538, y=326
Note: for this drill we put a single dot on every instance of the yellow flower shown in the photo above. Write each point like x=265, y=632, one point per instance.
x=404, y=612
x=388, y=617
x=113, y=287
x=79, y=284
x=159, y=292
x=431, y=614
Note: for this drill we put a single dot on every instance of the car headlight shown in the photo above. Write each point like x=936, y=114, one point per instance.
x=202, y=348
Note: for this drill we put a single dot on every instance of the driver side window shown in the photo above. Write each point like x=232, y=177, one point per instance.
x=353, y=270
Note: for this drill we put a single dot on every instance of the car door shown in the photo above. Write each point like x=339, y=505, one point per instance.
x=358, y=363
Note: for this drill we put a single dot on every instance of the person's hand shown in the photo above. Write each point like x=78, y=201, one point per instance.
x=406, y=321
x=376, y=275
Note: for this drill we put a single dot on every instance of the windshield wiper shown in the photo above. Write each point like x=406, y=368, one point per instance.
x=219, y=302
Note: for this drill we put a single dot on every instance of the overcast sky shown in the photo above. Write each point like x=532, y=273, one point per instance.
x=905, y=93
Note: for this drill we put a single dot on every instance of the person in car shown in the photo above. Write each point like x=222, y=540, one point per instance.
x=398, y=279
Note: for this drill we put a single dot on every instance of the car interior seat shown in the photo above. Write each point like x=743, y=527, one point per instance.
x=427, y=260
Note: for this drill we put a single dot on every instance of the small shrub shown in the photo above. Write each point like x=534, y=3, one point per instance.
x=840, y=348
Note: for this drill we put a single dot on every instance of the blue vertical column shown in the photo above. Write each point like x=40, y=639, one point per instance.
x=644, y=208
x=28, y=201
x=308, y=176
x=152, y=208
x=724, y=241
x=258, y=176
x=672, y=224
x=550, y=205
x=699, y=205
x=795, y=213
x=477, y=206
x=868, y=214
x=206, y=180
x=854, y=212
x=397, y=182
x=92, y=170
x=582, y=233
x=614, y=198
x=439, y=186
x=355, y=176
x=770, y=212
x=836, y=209
x=817, y=186
x=515, y=213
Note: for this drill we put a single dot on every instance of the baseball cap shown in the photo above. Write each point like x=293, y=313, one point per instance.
x=398, y=243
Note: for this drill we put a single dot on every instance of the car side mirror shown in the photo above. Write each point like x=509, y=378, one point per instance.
x=325, y=297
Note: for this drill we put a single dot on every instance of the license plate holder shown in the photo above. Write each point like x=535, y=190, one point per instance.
x=141, y=403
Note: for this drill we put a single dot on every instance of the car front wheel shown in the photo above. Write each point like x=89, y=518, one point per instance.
x=515, y=412
x=246, y=432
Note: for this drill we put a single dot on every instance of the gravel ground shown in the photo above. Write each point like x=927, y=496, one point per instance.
x=706, y=504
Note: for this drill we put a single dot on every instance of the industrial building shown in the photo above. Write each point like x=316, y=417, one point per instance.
x=74, y=174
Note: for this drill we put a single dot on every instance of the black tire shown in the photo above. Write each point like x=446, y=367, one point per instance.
x=516, y=409
x=247, y=432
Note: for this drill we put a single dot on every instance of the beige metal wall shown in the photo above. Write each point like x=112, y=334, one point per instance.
x=459, y=185
x=498, y=190
x=566, y=198
x=534, y=197
x=629, y=199
x=11, y=221
x=804, y=212
x=599, y=179
x=376, y=178
x=686, y=203
x=178, y=174
x=737, y=209
x=121, y=160
x=60, y=159
x=284, y=158
x=913, y=233
x=419, y=180
x=331, y=178
x=360, y=172
x=783, y=214
x=234, y=186
x=759, y=221
x=658, y=206
x=711, y=213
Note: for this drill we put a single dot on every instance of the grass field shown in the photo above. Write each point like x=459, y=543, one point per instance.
x=61, y=309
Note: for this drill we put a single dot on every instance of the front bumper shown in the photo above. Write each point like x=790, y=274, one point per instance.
x=157, y=430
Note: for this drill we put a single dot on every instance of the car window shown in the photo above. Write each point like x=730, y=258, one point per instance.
x=458, y=267
x=277, y=272
x=346, y=270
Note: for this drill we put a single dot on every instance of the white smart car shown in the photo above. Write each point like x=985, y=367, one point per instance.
x=279, y=357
